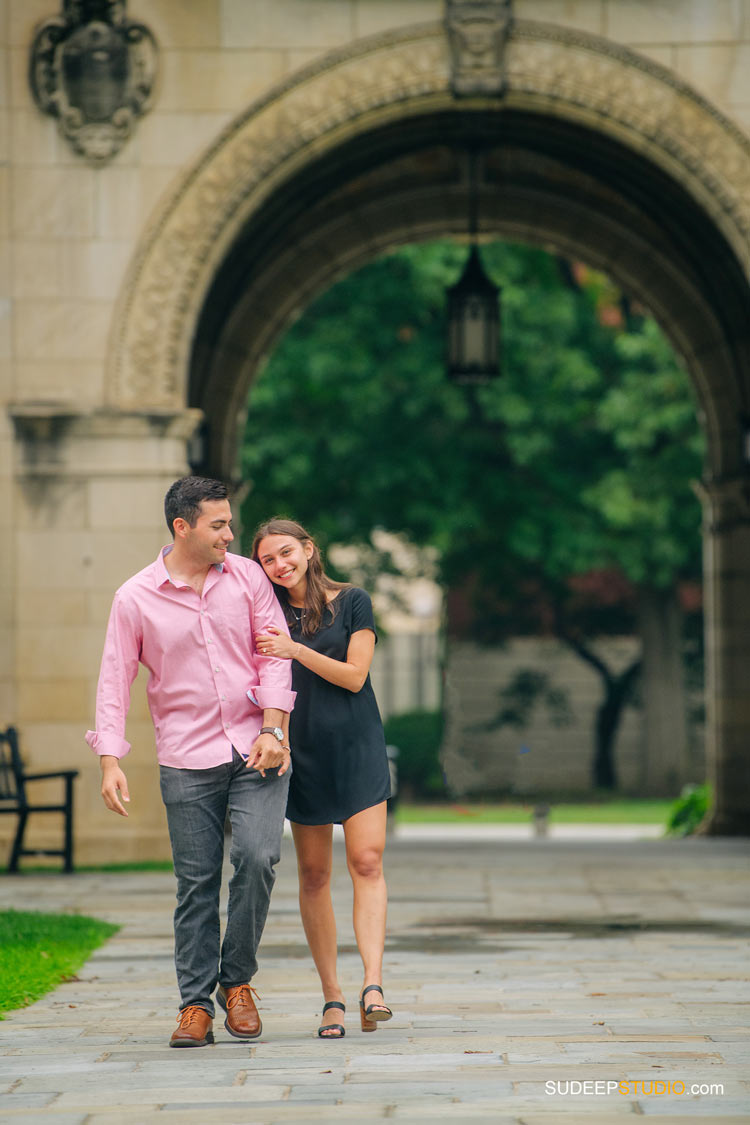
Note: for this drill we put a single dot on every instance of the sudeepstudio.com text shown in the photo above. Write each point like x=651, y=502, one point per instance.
x=652, y=1088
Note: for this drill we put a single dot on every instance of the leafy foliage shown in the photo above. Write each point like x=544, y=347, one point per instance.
x=579, y=458
x=418, y=736
x=689, y=810
x=518, y=698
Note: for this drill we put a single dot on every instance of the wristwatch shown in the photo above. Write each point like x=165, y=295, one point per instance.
x=277, y=732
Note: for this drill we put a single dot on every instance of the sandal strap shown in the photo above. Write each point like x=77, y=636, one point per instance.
x=334, y=1004
x=331, y=1027
x=370, y=988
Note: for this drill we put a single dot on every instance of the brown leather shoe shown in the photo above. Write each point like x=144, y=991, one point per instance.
x=193, y=1028
x=242, y=1019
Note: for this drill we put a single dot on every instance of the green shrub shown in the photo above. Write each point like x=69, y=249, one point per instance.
x=689, y=810
x=418, y=736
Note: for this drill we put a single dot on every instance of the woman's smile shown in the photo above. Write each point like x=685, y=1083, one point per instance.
x=284, y=559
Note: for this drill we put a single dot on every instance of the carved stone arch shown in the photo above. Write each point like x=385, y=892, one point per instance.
x=572, y=76
x=687, y=255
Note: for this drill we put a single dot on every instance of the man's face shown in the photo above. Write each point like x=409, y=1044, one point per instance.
x=207, y=541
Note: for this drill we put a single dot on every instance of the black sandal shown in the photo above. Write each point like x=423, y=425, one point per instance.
x=337, y=1027
x=374, y=1014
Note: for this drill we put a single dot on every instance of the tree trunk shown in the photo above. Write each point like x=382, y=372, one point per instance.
x=617, y=692
x=666, y=735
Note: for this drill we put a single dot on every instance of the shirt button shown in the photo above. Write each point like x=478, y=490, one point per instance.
x=217, y=669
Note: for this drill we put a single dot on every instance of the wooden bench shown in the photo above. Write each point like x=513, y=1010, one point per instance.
x=14, y=799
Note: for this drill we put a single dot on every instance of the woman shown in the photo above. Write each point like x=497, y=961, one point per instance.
x=340, y=767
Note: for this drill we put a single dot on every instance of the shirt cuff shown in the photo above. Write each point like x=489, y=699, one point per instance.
x=274, y=697
x=109, y=744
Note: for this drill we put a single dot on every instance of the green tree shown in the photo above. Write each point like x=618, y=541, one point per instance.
x=578, y=460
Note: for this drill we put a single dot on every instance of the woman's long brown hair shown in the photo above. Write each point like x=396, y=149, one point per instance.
x=317, y=579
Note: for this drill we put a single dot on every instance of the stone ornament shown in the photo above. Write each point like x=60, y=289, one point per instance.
x=93, y=69
x=572, y=75
x=726, y=504
x=477, y=32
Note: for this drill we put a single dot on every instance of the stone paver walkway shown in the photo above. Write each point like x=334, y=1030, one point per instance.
x=518, y=971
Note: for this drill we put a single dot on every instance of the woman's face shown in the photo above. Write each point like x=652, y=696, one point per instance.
x=284, y=559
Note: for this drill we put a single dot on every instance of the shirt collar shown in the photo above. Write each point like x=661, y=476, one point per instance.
x=162, y=574
x=160, y=570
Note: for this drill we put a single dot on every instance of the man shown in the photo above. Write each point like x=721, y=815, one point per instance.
x=218, y=708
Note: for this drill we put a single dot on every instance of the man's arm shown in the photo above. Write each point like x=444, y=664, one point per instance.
x=274, y=693
x=275, y=675
x=119, y=668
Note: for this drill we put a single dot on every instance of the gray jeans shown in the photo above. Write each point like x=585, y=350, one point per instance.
x=197, y=803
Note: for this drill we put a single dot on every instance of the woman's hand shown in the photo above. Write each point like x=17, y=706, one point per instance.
x=275, y=643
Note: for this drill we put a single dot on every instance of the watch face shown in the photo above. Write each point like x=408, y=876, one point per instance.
x=277, y=732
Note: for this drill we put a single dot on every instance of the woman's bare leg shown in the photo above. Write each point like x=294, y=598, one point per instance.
x=314, y=846
x=365, y=841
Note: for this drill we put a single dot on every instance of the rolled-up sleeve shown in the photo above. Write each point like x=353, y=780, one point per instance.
x=275, y=676
x=118, y=670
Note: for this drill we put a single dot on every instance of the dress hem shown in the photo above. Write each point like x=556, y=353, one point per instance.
x=338, y=820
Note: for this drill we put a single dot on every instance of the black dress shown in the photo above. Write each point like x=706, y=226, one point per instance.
x=339, y=762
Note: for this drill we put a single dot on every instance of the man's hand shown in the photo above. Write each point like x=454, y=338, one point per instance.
x=266, y=753
x=114, y=784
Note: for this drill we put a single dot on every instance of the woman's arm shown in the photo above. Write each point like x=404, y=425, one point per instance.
x=350, y=673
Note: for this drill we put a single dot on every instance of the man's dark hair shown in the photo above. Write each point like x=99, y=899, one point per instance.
x=184, y=498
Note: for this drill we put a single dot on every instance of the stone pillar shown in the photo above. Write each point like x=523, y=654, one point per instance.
x=88, y=503
x=727, y=584
x=7, y=701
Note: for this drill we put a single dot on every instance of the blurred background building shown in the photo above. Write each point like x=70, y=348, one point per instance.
x=179, y=178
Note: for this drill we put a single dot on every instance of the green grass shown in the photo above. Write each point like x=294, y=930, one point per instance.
x=605, y=812
x=38, y=951
x=139, y=865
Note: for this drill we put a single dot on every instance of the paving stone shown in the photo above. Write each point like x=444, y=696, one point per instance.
x=14, y=1101
x=492, y=969
x=40, y=1117
x=595, y=1115
x=248, y=1115
x=133, y=1096
x=714, y=1109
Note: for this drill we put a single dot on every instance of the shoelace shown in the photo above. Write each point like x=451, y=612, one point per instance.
x=241, y=996
x=188, y=1016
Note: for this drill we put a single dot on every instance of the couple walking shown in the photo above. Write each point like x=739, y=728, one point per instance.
x=262, y=707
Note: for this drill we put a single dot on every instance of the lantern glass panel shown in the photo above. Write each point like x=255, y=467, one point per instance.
x=475, y=335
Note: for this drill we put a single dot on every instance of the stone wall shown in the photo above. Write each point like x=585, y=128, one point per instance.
x=543, y=755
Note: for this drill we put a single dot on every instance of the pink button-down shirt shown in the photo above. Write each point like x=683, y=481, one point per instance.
x=208, y=686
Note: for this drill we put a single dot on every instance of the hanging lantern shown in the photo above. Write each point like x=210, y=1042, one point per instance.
x=473, y=306
x=473, y=325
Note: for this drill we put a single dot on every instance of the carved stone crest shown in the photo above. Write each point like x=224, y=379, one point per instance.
x=93, y=69
x=478, y=32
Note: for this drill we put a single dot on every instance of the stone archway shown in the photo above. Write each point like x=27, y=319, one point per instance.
x=592, y=149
